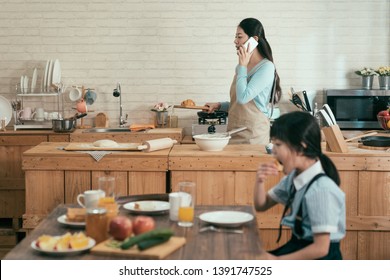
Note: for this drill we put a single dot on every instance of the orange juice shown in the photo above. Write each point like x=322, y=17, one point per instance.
x=186, y=214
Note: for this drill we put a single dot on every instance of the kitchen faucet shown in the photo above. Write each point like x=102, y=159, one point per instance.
x=118, y=93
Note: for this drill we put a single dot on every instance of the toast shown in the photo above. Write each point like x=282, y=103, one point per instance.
x=76, y=215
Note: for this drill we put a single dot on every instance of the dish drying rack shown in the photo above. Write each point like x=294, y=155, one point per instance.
x=18, y=105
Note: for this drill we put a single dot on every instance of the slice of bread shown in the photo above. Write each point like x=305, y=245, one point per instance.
x=76, y=215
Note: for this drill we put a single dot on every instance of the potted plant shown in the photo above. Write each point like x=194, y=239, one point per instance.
x=384, y=77
x=161, y=109
x=367, y=77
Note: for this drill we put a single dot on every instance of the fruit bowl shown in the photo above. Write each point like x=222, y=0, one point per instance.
x=384, y=121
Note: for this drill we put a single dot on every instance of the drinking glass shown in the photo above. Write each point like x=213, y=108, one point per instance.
x=107, y=184
x=187, y=203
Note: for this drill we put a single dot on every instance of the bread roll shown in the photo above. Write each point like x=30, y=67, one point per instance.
x=188, y=102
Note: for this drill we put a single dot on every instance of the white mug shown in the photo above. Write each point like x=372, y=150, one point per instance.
x=91, y=198
x=54, y=116
x=174, y=203
x=39, y=114
x=75, y=94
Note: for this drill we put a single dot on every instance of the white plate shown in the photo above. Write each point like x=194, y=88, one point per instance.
x=56, y=79
x=21, y=84
x=91, y=243
x=34, y=80
x=226, y=218
x=26, y=84
x=44, y=89
x=148, y=207
x=49, y=75
x=5, y=109
x=62, y=220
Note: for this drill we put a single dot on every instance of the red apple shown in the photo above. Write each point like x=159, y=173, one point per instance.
x=384, y=113
x=120, y=228
x=143, y=224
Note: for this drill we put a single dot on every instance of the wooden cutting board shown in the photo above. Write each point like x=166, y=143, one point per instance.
x=191, y=107
x=156, y=253
x=101, y=120
x=78, y=146
x=361, y=146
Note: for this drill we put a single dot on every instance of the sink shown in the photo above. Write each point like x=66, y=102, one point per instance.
x=107, y=130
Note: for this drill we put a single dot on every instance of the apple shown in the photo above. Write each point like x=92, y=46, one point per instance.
x=120, y=228
x=384, y=113
x=142, y=224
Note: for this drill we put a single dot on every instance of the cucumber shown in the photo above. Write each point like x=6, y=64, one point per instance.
x=156, y=233
x=146, y=244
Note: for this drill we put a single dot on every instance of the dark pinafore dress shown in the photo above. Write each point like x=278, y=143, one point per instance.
x=296, y=242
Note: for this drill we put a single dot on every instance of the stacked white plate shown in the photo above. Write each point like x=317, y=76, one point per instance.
x=52, y=74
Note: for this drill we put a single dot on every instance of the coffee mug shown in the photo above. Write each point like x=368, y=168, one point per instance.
x=90, y=97
x=75, y=94
x=81, y=106
x=26, y=114
x=91, y=198
x=39, y=114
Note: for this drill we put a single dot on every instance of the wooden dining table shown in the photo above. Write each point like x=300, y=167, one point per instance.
x=207, y=245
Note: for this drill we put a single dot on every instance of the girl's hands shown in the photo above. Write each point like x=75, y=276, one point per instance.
x=244, y=55
x=265, y=170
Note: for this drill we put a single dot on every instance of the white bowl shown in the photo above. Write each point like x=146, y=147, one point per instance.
x=211, y=142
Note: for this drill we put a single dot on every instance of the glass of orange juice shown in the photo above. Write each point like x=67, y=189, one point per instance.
x=187, y=193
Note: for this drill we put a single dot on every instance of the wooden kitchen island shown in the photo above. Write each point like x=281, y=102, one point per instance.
x=55, y=176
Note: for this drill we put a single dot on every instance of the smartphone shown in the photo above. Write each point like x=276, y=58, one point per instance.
x=252, y=44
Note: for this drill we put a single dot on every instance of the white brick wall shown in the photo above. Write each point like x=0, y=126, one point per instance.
x=178, y=49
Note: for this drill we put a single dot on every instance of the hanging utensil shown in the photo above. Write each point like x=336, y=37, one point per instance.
x=308, y=107
x=298, y=101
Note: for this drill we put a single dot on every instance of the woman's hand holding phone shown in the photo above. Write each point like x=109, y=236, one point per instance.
x=245, y=51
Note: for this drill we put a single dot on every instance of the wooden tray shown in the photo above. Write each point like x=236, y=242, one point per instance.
x=156, y=252
x=191, y=107
x=77, y=146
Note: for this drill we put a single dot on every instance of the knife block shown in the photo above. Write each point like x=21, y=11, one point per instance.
x=334, y=139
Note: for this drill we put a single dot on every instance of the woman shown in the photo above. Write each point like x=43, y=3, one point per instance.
x=250, y=92
x=309, y=191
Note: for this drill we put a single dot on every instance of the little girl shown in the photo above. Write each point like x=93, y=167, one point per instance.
x=314, y=203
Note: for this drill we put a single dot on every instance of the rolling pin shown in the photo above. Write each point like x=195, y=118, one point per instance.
x=157, y=144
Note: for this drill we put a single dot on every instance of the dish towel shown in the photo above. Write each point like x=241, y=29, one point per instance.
x=97, y=155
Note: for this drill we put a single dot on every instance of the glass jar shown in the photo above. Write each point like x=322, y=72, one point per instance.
x=96, y=224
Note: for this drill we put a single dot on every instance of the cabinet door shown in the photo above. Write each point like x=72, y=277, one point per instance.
x=12, y=183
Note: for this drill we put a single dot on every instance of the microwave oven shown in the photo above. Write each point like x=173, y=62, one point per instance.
x=357, y=108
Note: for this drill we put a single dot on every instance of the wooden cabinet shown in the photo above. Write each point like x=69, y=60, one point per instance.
x=12, y=181
x=228, y=177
